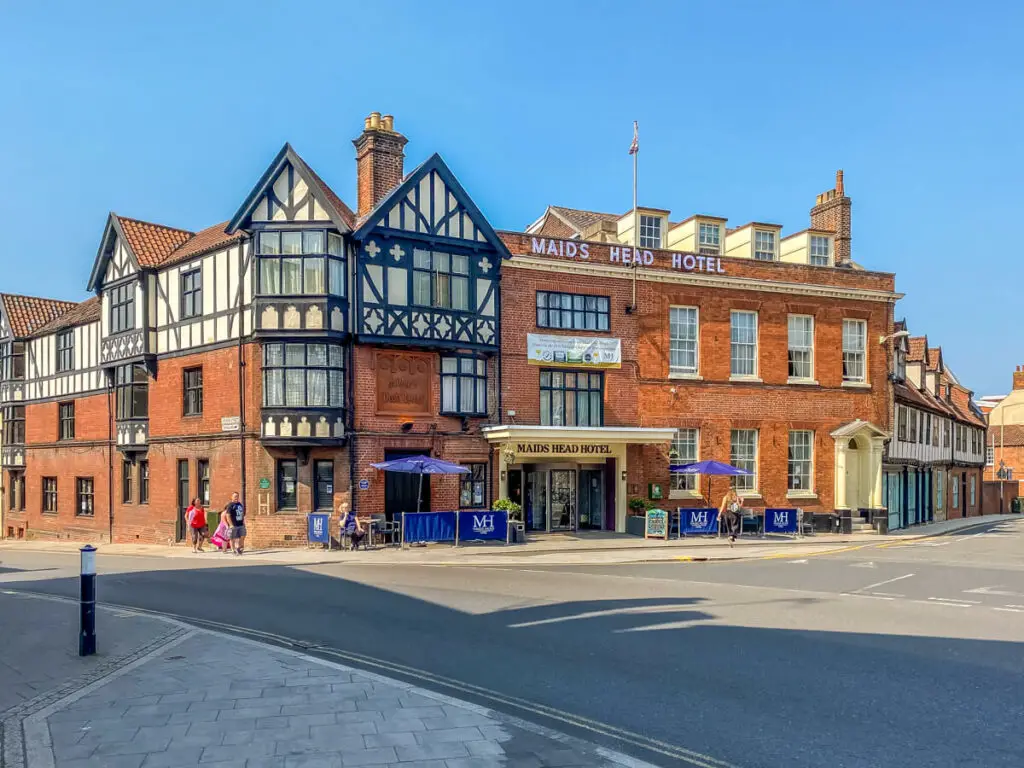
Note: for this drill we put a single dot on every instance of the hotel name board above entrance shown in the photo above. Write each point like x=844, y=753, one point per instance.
x=627, y=256
x=563, y=449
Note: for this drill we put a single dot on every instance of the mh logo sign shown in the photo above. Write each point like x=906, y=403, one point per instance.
x=483, y=524
x=780, y=518
x=699, y=518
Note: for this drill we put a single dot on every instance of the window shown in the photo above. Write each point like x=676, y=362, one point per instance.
x=12, y=360
x=323, y=491
x=570, y=399
x=66, y=421
x=572, y=311
x=709, y=238
x=335, y=266
x=801, y=347
x=464, y=385
x=935, y=432
x=143, y=482
x=131, y=385
x=801, y=453
x=650, y=231
x=684, y=451
x=17, y=491
x=65, y=351
x=203, y=470
x=127, y=486
x=901, y=365
x=440, y=279
x=303, y=376
x=192, y=398
x=744, y=343
x=14, y=425
x=820, y=252
x=287, y=484
x=913, y=426
x=945, y=434
x=743, y=455
x=855, y=334
x=927, y=431
x=682, y=340
x=84, y=496
x=940, y=488
x=49, y=494
x=122, y=308
x=971, y=485
x=288, y=266
x=764, y=245
x=954, y=488
x=191, y=293
x=473, y=486
x=901, y=423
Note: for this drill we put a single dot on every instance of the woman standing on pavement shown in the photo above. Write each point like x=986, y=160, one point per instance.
x=729, y=512
x=195, y=516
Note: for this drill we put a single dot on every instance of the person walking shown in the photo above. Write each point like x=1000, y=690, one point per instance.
x=195, y=516
x=729, y=512
x=236, y=519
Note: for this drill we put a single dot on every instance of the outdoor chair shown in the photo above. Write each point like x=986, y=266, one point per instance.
x=390, y=532
x=751, y=522
x=805, y=522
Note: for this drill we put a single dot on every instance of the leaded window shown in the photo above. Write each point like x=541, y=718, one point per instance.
x=65, y=351
x=743, y=455
x=131, y=386
x=801, y=347
x=12, y=360
x=573, y=311
x=440, y=279
x=801, y=453
x=682, y=340
x=191, y=293
x=14, y=425
x=571, y=399
x=685, y=450
x=122, y=308
x=743, y=337
x=854, y=350
x=297, y=375
x=464, y=385
x=292, y=263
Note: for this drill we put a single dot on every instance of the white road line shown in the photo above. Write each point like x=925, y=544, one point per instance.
x=859, y=594
x=935, y=601
x=1011, y=605
x=887, y=581
x=1010, y=610
x=993, y=591
x=954, y=600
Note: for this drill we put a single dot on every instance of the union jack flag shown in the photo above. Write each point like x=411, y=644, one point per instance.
x=635, y=146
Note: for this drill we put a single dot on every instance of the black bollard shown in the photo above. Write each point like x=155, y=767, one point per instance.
x=87, y=636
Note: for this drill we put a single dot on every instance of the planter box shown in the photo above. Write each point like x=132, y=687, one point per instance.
x=635, y=525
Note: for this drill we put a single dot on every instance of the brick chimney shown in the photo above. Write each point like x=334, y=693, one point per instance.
x=831, y=212
x=1018, y=377
x=379, y=160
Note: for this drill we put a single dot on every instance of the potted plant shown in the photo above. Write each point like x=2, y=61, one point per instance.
x=515, y=515
x=636, y=520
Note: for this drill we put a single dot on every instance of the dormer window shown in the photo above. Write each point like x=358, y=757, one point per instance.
x=901, y=365
x=764, y=245
x=650, y=231
x=709, y=240
x=821, y=252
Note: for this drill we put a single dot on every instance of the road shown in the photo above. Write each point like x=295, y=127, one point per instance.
x=897, y=654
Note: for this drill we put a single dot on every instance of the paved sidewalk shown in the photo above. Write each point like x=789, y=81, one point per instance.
x=200, y=698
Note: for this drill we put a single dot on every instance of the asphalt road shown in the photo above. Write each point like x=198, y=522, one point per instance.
x=903, y=654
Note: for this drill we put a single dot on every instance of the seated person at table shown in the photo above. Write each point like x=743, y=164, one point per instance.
x=351, y=527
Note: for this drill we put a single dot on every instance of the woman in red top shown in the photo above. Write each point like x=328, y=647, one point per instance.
x=195, y=516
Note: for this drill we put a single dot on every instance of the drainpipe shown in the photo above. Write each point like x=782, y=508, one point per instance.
x=241, y=366
x=350, y=418
x=110, y=464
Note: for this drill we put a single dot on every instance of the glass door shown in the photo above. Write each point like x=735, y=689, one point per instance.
x=592, y=499
x=563, y=499
x=536, y=509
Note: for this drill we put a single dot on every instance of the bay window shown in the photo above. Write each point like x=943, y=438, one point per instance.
x=122, y=308
x=131, y=387
x=12, y=360
x=14, y=425
x=297, y=375
x=292, y=263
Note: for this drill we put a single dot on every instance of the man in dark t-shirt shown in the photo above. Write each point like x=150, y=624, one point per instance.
x=236, y=513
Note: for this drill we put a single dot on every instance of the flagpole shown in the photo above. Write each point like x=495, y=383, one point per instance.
x=636, y=218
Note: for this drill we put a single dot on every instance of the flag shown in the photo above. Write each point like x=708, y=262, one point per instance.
x=635, y=146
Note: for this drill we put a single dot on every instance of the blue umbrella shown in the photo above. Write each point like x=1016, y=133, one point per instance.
x=708, y=467
x=421, y=465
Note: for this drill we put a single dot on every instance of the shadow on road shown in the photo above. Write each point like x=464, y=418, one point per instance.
x=662, y=667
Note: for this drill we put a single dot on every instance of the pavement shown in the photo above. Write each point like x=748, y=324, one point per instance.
x=161, y=694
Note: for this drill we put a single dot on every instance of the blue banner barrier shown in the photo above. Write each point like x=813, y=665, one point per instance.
x=318, y=529
x=780, y=521
x=428, y=526
x=484, y=525
x=698, y=520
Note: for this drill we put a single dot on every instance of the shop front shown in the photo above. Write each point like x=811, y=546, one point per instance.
x=568, y=478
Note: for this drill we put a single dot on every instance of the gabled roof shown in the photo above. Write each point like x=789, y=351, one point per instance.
x=27, y=314
x=151, y=243
x=934, y=358
x=856, y=427
x=576, y=219
x=437, y=164
x=918, y=346
x=340, y=213
x=87, y=311
x=204, y=241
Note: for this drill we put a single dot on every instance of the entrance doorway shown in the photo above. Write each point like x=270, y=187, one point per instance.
x=183, y=497
x=536, y=509
x=591, y=499
x=560, y=499
x=563, y=499
x=401, y=488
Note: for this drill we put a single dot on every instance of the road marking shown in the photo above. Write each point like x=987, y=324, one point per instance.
x=868, y=564
x=797, y=561
x=993, y=591
x=937, y=601
x=861, y=594
x=879, y=584
x=954, y=600
x=1010, y=610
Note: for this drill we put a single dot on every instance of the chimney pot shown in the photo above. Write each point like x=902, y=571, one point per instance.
x=374, y=121
x=388, y=122
x=839, y=183
x=1018, y=377
x=380, y=159
x=366, y=123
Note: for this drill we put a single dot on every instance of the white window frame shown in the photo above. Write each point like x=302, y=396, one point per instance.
x=800, y=348
x=650, y=232
x=808, y=488
x=707, y=244
x=733, y=344
x=818, y=256
x=746, y=484
x=673, y=341
x=940, y=489
x=972, y=488
x=863, y=352
x=680, y=485
x=760, y=251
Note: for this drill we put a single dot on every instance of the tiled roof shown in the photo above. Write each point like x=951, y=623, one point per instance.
x=152, y=243
x=918, y=345
x=934, y=356
x=582, y=219
x=337, y=202
x=209, y=239
x=26, y=314
x=86, y=312
x=1011, y=435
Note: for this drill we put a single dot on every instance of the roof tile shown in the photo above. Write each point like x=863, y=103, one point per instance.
x=26, y=314
x=152, y=243
x=209, y=239
x=87, y=311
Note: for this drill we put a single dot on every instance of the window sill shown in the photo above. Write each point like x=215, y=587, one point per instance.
x=801, y=495
x=685, y=494
x=456, y=415
x=746, y=379
x=753, y=495
x=803, y=382
x=685, y=376
x=856, y=385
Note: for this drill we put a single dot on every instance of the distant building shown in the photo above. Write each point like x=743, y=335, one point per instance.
x=1006, y=433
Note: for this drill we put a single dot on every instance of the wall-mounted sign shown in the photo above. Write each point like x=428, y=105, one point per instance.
x=573, y=351
x=627, y=256
x=563, y=449
x=654, y=491
x=230, y=423
x=403, y=383
x=364, y=485
x=264, y=483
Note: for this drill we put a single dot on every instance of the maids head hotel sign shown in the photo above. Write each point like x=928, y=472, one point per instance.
x=630, y=257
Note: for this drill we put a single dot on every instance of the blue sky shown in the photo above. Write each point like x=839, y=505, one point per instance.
x=171, y=111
